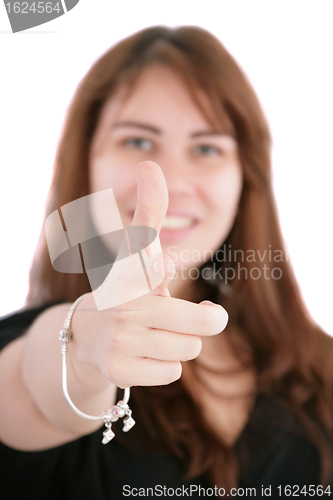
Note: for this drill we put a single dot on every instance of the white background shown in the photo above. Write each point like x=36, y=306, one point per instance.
x=285, y=48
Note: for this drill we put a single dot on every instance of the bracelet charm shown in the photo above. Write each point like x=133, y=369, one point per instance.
x=120, y=410
x=108, y=434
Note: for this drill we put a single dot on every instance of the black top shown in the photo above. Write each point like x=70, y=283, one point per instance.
x=272, y=451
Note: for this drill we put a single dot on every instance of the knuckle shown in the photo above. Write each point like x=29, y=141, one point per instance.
x=116, y=341
x=120, y=314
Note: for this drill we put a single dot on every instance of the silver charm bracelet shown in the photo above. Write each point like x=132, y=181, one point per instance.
x=120, y=410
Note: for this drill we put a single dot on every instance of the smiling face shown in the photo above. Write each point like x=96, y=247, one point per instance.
x=160, y=122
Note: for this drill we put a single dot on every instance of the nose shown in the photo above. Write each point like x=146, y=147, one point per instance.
x=179, y=175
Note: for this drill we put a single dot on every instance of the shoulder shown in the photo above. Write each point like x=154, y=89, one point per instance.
x=14, y=324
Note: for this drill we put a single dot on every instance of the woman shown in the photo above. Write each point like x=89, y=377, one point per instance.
x=251, y=407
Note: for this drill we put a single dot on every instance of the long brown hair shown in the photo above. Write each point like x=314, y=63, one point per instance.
x=289, y=353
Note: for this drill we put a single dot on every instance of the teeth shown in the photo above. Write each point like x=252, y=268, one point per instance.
x=174, y=222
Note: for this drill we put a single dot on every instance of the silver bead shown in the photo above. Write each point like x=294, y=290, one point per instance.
x=116, y=413
x=121, y=411
x=123, y=405
x=65, y=335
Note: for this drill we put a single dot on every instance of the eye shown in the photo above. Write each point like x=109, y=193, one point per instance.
x=206, y=150
x=139, y=143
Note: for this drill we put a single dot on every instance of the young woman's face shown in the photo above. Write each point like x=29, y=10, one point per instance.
x=160, y=122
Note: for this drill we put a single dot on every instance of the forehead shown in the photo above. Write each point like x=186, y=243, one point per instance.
x=160, y=97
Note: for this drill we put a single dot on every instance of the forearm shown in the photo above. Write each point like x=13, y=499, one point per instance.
x=32, y=368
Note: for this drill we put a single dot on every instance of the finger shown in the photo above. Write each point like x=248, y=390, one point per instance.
x=181, y=316
x=222, y=312
x=149, y=372
x=164, y=345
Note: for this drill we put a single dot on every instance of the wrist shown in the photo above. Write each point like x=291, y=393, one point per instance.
x=120, y=410
x=80, y=353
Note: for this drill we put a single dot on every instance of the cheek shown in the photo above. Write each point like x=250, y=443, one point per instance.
x=222, y=192
x=106, y=173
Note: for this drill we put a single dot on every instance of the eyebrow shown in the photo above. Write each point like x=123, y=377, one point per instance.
x=156, y=130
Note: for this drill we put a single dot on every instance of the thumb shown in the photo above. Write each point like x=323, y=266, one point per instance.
x=152, y=198
x=161, y=270
x=152, y=204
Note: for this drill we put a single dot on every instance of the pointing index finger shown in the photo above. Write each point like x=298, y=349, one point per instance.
x=181, y=316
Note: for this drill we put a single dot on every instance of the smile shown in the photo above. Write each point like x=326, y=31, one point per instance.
x=176, y=222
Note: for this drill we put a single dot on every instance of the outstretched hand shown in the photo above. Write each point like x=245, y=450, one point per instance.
x=144, y=340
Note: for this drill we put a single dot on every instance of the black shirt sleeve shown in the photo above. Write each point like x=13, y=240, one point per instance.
x=14, y=324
